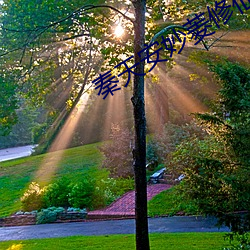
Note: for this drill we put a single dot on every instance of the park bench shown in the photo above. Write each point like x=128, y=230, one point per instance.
x=182, y=176
x=155, y=177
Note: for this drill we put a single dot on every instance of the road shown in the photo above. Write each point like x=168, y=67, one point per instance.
x=156, y=225
x=14, y=153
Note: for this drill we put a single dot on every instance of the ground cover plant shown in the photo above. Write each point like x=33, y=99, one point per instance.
x=170, y=241
x=48, y=215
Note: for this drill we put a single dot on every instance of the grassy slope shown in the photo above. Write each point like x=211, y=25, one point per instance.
x=173, y=241
x=169, y=203
x=16, y=175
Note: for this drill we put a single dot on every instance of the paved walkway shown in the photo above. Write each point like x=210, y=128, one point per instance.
x=125, y=206
x=17, y=152
x=156, y=225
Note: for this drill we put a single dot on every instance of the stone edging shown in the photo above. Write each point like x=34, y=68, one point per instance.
x=30, y=219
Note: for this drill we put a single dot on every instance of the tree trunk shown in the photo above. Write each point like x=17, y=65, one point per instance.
x=139, y=151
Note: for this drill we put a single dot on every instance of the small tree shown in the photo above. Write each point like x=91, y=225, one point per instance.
x=217, y=168
x=118, y=156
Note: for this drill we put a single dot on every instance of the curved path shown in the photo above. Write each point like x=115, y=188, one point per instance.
x=17, y=152
x=156, y=225
x=125, y=206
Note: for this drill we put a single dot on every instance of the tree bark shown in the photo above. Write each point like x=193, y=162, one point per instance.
x=139, y=151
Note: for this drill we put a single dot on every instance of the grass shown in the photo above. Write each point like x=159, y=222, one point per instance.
x=169, y=203
x=170, y=241
x=16, y=175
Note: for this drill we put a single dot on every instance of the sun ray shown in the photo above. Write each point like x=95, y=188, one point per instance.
x=115, y=113
x=51, y=162
x=153, y=114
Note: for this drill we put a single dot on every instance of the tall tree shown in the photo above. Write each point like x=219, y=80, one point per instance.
x=139, y=151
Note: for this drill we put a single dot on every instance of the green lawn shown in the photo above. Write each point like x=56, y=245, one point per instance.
x=16, y=175
x=169, y=202
x=170, y=241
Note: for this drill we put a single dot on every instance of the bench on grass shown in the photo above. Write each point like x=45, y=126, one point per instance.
x=155, y=177
x=182, y=176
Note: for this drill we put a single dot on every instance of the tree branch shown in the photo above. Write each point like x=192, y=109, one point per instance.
x=217, y=39
x=42, y=29
x=165, y=30
x=112, y=8
x=74, y=13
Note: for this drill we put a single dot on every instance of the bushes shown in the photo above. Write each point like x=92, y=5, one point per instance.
x=61, y=193
x=109, y=189
x=53, y=214
x=48, y=215
x=81, y=194
x=242, y=241
x=33, y=197
x=84, y=194
x=104, y=192
x=216, y=168
x=38, y=131
x=209, y=179
x=56, y=194
x=153, y=158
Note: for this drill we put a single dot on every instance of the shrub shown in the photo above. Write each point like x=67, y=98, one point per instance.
x=118, y=153
x=81, y=194
x=152, y=156
x=208, y=180
x=103, y=195
x=33, y=197
x=38, y=131
x=109, y=189
x=217, y=168
x=48, y=215
x=243, y=242
x=73, y=209
x=57, y=193
x=123, y=185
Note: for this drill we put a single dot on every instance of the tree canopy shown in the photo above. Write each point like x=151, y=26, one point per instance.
x=50, y=43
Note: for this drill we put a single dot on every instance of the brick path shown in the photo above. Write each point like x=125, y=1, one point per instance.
x=124, y=207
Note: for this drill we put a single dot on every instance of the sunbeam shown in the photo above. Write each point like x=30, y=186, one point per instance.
x=51, y=161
